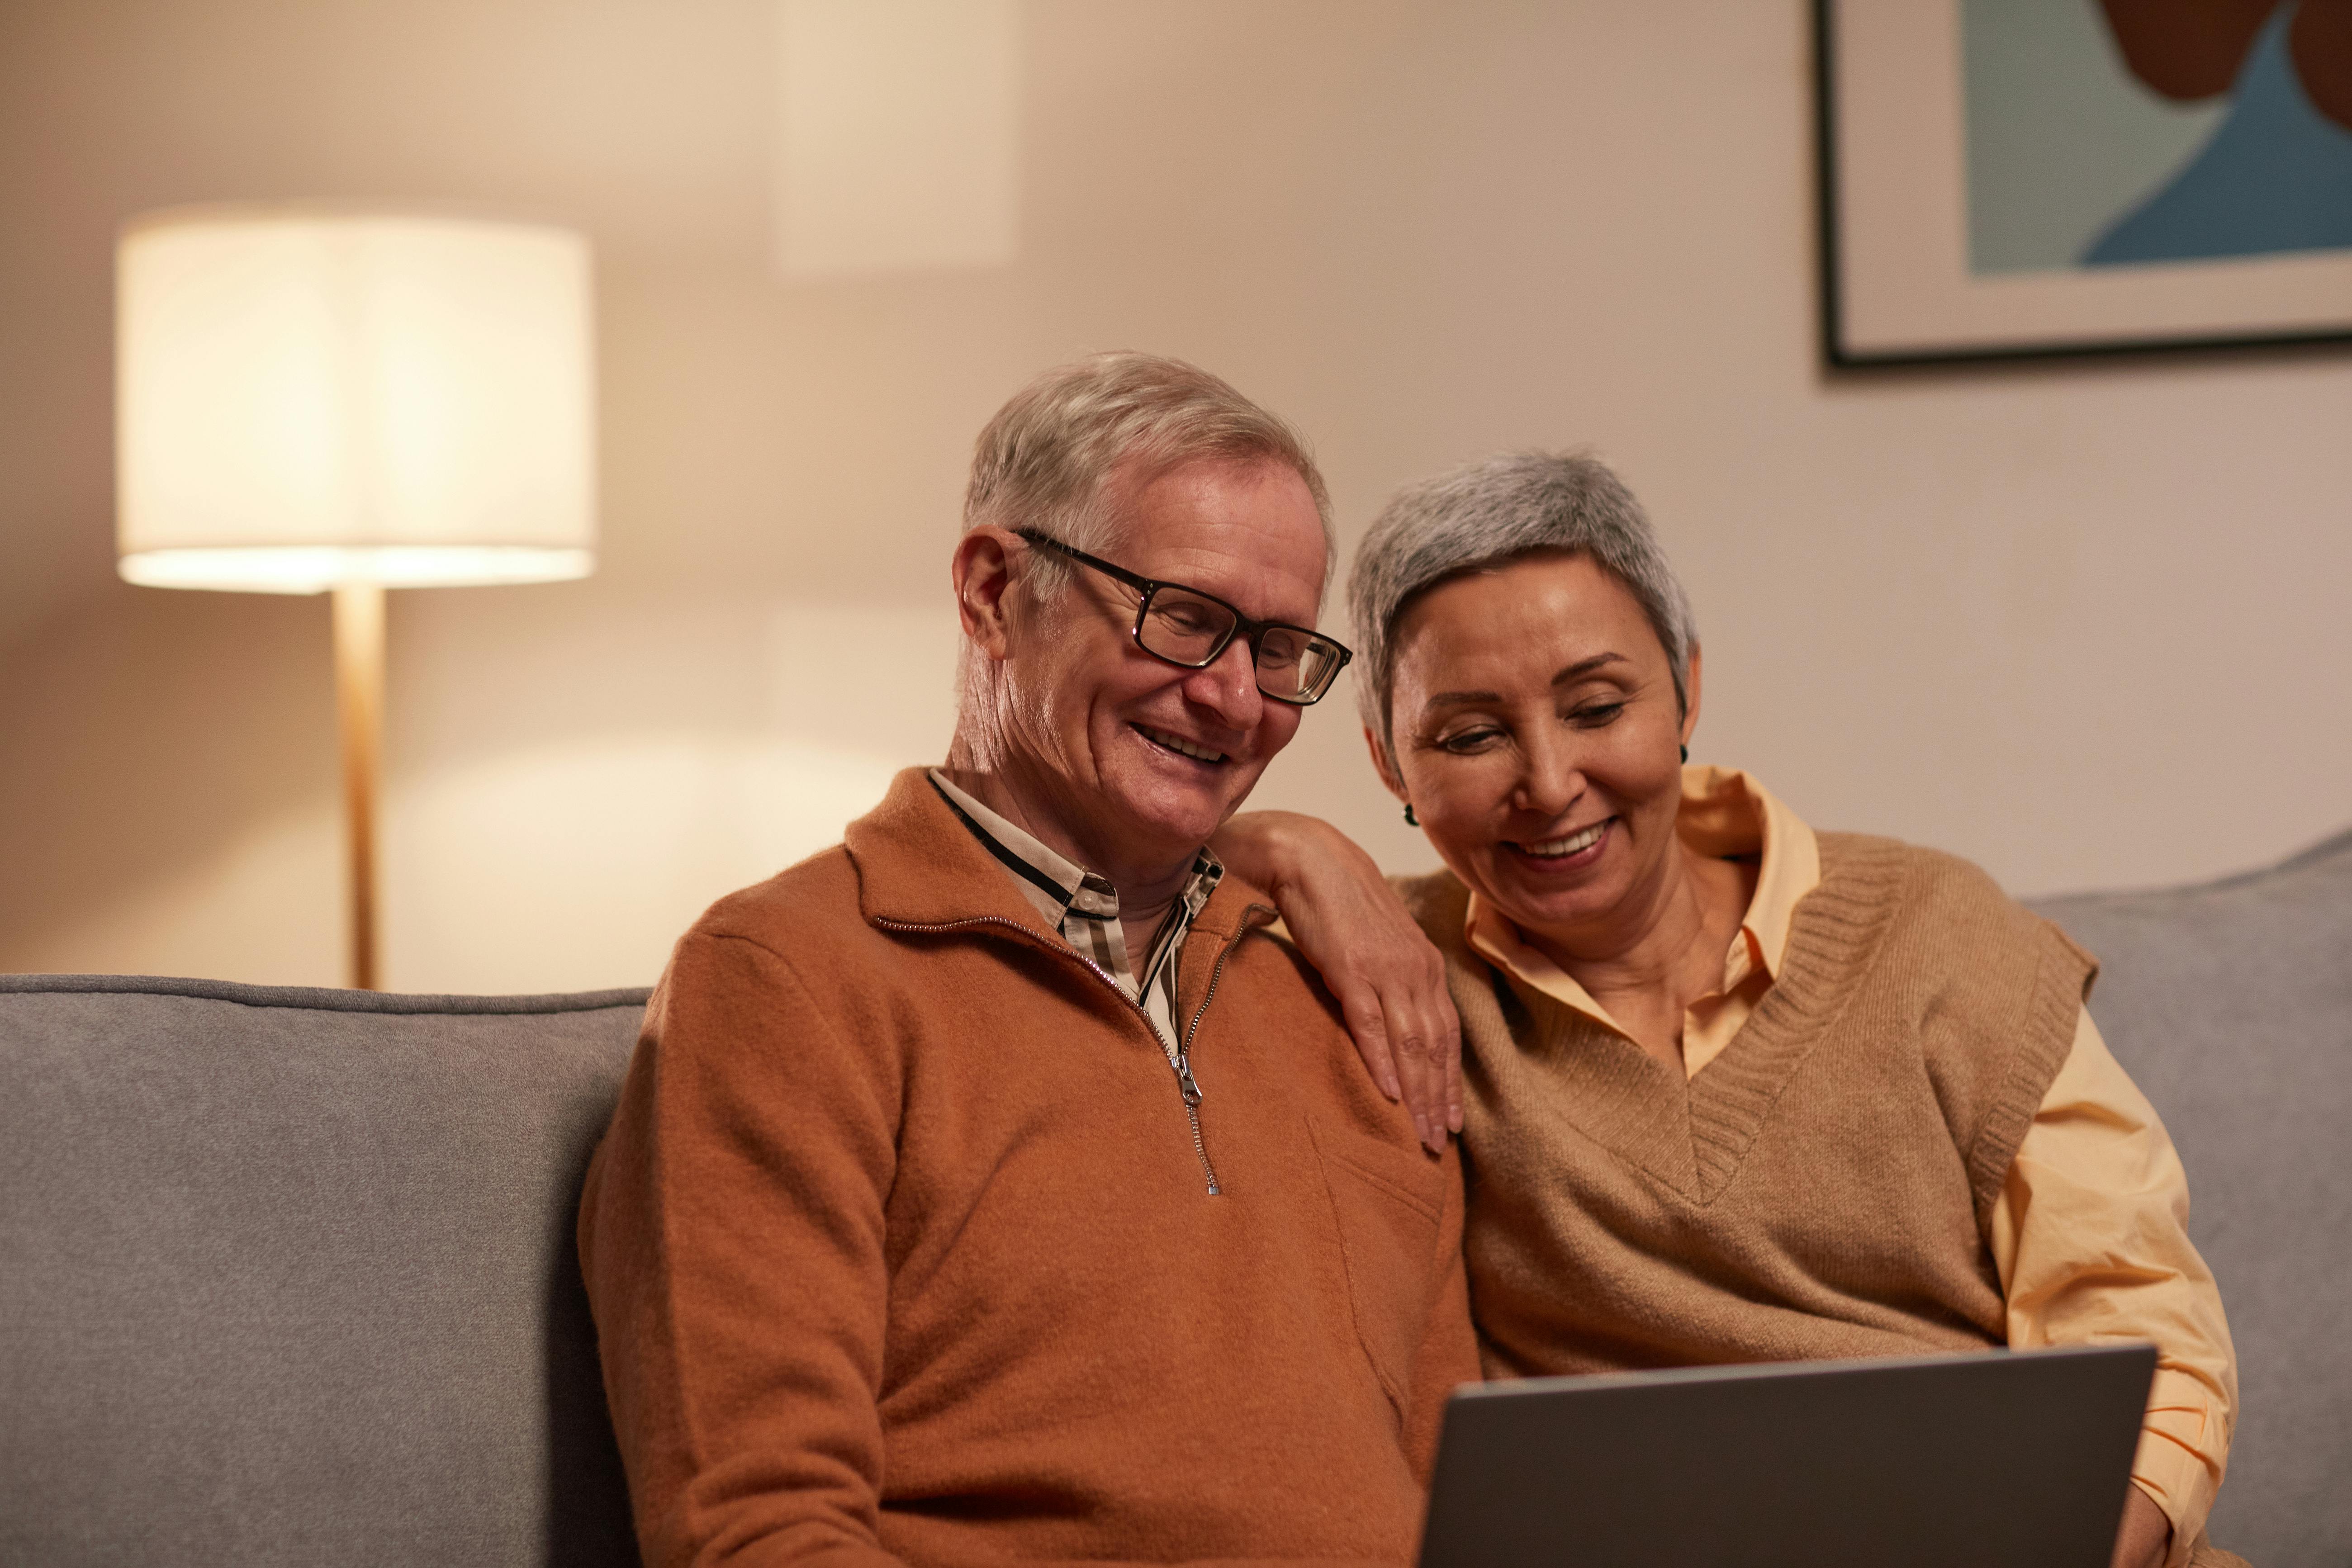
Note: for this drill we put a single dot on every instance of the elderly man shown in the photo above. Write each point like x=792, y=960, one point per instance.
x=994, y=1185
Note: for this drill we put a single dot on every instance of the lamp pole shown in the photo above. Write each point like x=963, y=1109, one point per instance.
x=358, y=712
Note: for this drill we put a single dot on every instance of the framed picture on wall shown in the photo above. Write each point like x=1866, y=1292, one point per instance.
x=2005, y=178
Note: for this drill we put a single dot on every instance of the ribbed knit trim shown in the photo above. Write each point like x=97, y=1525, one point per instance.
x=1833, y=939
x=2039, y=1049
x=1616, y=1093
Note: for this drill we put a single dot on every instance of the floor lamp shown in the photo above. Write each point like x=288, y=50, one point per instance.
x=312, y=400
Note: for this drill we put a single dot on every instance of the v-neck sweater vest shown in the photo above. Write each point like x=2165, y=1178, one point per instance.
x=1820, y=1190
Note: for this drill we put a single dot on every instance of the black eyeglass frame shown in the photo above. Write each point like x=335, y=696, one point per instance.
x=1243, y=626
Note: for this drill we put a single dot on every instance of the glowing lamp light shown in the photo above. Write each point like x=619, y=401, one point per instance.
x=310, y=399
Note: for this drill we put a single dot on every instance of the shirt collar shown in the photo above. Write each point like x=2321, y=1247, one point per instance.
x=1059, y=885
x=1726, y=814
x=1050, y=881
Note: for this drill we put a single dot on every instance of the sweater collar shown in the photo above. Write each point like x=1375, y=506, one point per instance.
x=918, y=865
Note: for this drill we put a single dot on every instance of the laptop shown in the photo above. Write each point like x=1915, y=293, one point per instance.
x=1997, y=1459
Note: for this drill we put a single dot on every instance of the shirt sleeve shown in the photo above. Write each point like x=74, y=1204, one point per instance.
x=2090, y=1236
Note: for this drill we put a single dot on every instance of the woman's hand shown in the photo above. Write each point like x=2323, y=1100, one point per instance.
x=2146, y=1536
x=1389, y=980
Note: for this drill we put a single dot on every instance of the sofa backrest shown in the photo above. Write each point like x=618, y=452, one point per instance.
x=287, y=1275
x=2230, y=1004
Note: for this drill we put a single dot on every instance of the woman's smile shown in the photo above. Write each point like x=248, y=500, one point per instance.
x=1568, y=852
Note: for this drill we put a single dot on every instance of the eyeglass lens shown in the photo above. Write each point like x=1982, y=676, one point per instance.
x=1292, y=664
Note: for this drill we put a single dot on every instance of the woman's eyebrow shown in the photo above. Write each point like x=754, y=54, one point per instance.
x=1582, y=668
x=1460, y=698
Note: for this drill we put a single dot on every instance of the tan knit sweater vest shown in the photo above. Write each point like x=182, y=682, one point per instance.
x=1819, y=1190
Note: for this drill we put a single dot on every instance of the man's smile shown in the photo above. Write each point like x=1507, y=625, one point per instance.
x=1179, y=744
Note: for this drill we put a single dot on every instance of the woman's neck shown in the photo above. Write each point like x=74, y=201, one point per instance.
x=1648, y=964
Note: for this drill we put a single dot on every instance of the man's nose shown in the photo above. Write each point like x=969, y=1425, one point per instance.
x=1227, y=687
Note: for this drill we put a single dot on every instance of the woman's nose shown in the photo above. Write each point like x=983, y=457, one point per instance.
x=1550, y=780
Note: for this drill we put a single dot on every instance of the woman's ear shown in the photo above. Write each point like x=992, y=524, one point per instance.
x=1380, y=765
x=1690, y=697
x=983, y=571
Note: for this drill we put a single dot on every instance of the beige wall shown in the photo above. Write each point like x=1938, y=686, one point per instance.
x=2082, y=623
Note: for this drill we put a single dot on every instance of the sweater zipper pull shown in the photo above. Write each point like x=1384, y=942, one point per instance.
x=1185, y=1079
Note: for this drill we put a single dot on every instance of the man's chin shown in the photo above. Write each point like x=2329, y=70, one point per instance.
x=1178, y=816
x=1184, y=830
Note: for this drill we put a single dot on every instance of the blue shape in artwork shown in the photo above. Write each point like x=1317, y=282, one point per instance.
x=2277, y=175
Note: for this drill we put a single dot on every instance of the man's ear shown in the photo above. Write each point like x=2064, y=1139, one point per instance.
x=1380, y=765
x=982, y=568
x=1690, y=697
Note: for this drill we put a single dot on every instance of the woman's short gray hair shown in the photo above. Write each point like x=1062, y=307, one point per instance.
x=1045, y=460
x=1488, y=514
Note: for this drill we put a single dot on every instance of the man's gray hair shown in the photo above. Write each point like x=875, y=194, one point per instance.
x=1048, y=458
x=1488, y=514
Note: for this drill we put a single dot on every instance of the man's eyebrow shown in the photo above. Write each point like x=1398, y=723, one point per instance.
x=1582, y=668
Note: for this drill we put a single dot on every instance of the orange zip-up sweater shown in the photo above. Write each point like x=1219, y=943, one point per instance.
x=901, y=1248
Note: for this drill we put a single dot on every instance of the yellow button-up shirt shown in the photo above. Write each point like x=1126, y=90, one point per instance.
x=2090, y=1231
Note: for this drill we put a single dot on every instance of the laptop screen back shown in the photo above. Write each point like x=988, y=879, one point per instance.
x=1960, y=1461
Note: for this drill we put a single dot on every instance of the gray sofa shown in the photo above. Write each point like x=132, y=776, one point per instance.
x=286, y=1276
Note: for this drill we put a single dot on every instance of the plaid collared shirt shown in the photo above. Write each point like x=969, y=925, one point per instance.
x=1084, y=907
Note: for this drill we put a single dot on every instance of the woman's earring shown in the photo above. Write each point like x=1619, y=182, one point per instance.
x=1409, y=819
x=1687, y=753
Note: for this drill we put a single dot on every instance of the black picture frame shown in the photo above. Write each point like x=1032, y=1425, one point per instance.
x=1855, y=37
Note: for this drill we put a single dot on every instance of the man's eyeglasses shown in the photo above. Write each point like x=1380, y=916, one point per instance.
x=1188, y=628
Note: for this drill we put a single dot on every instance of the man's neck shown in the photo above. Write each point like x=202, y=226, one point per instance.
x=1146, y=886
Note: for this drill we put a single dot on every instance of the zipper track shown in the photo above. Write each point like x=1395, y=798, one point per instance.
x=1186, y=1085
x=1185, y=1058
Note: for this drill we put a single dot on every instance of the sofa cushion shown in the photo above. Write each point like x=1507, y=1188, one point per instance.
x=2230, y=1004
x=288, y=1275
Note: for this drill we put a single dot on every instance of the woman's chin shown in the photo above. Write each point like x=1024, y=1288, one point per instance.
x=1551, y=891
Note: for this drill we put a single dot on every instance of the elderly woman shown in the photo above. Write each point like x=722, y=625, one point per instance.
x=1733, y=1091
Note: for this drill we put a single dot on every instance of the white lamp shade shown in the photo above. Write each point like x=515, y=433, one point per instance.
x=305, y=399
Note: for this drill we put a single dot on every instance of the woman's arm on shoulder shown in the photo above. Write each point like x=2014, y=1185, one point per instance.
x=1388, y=978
